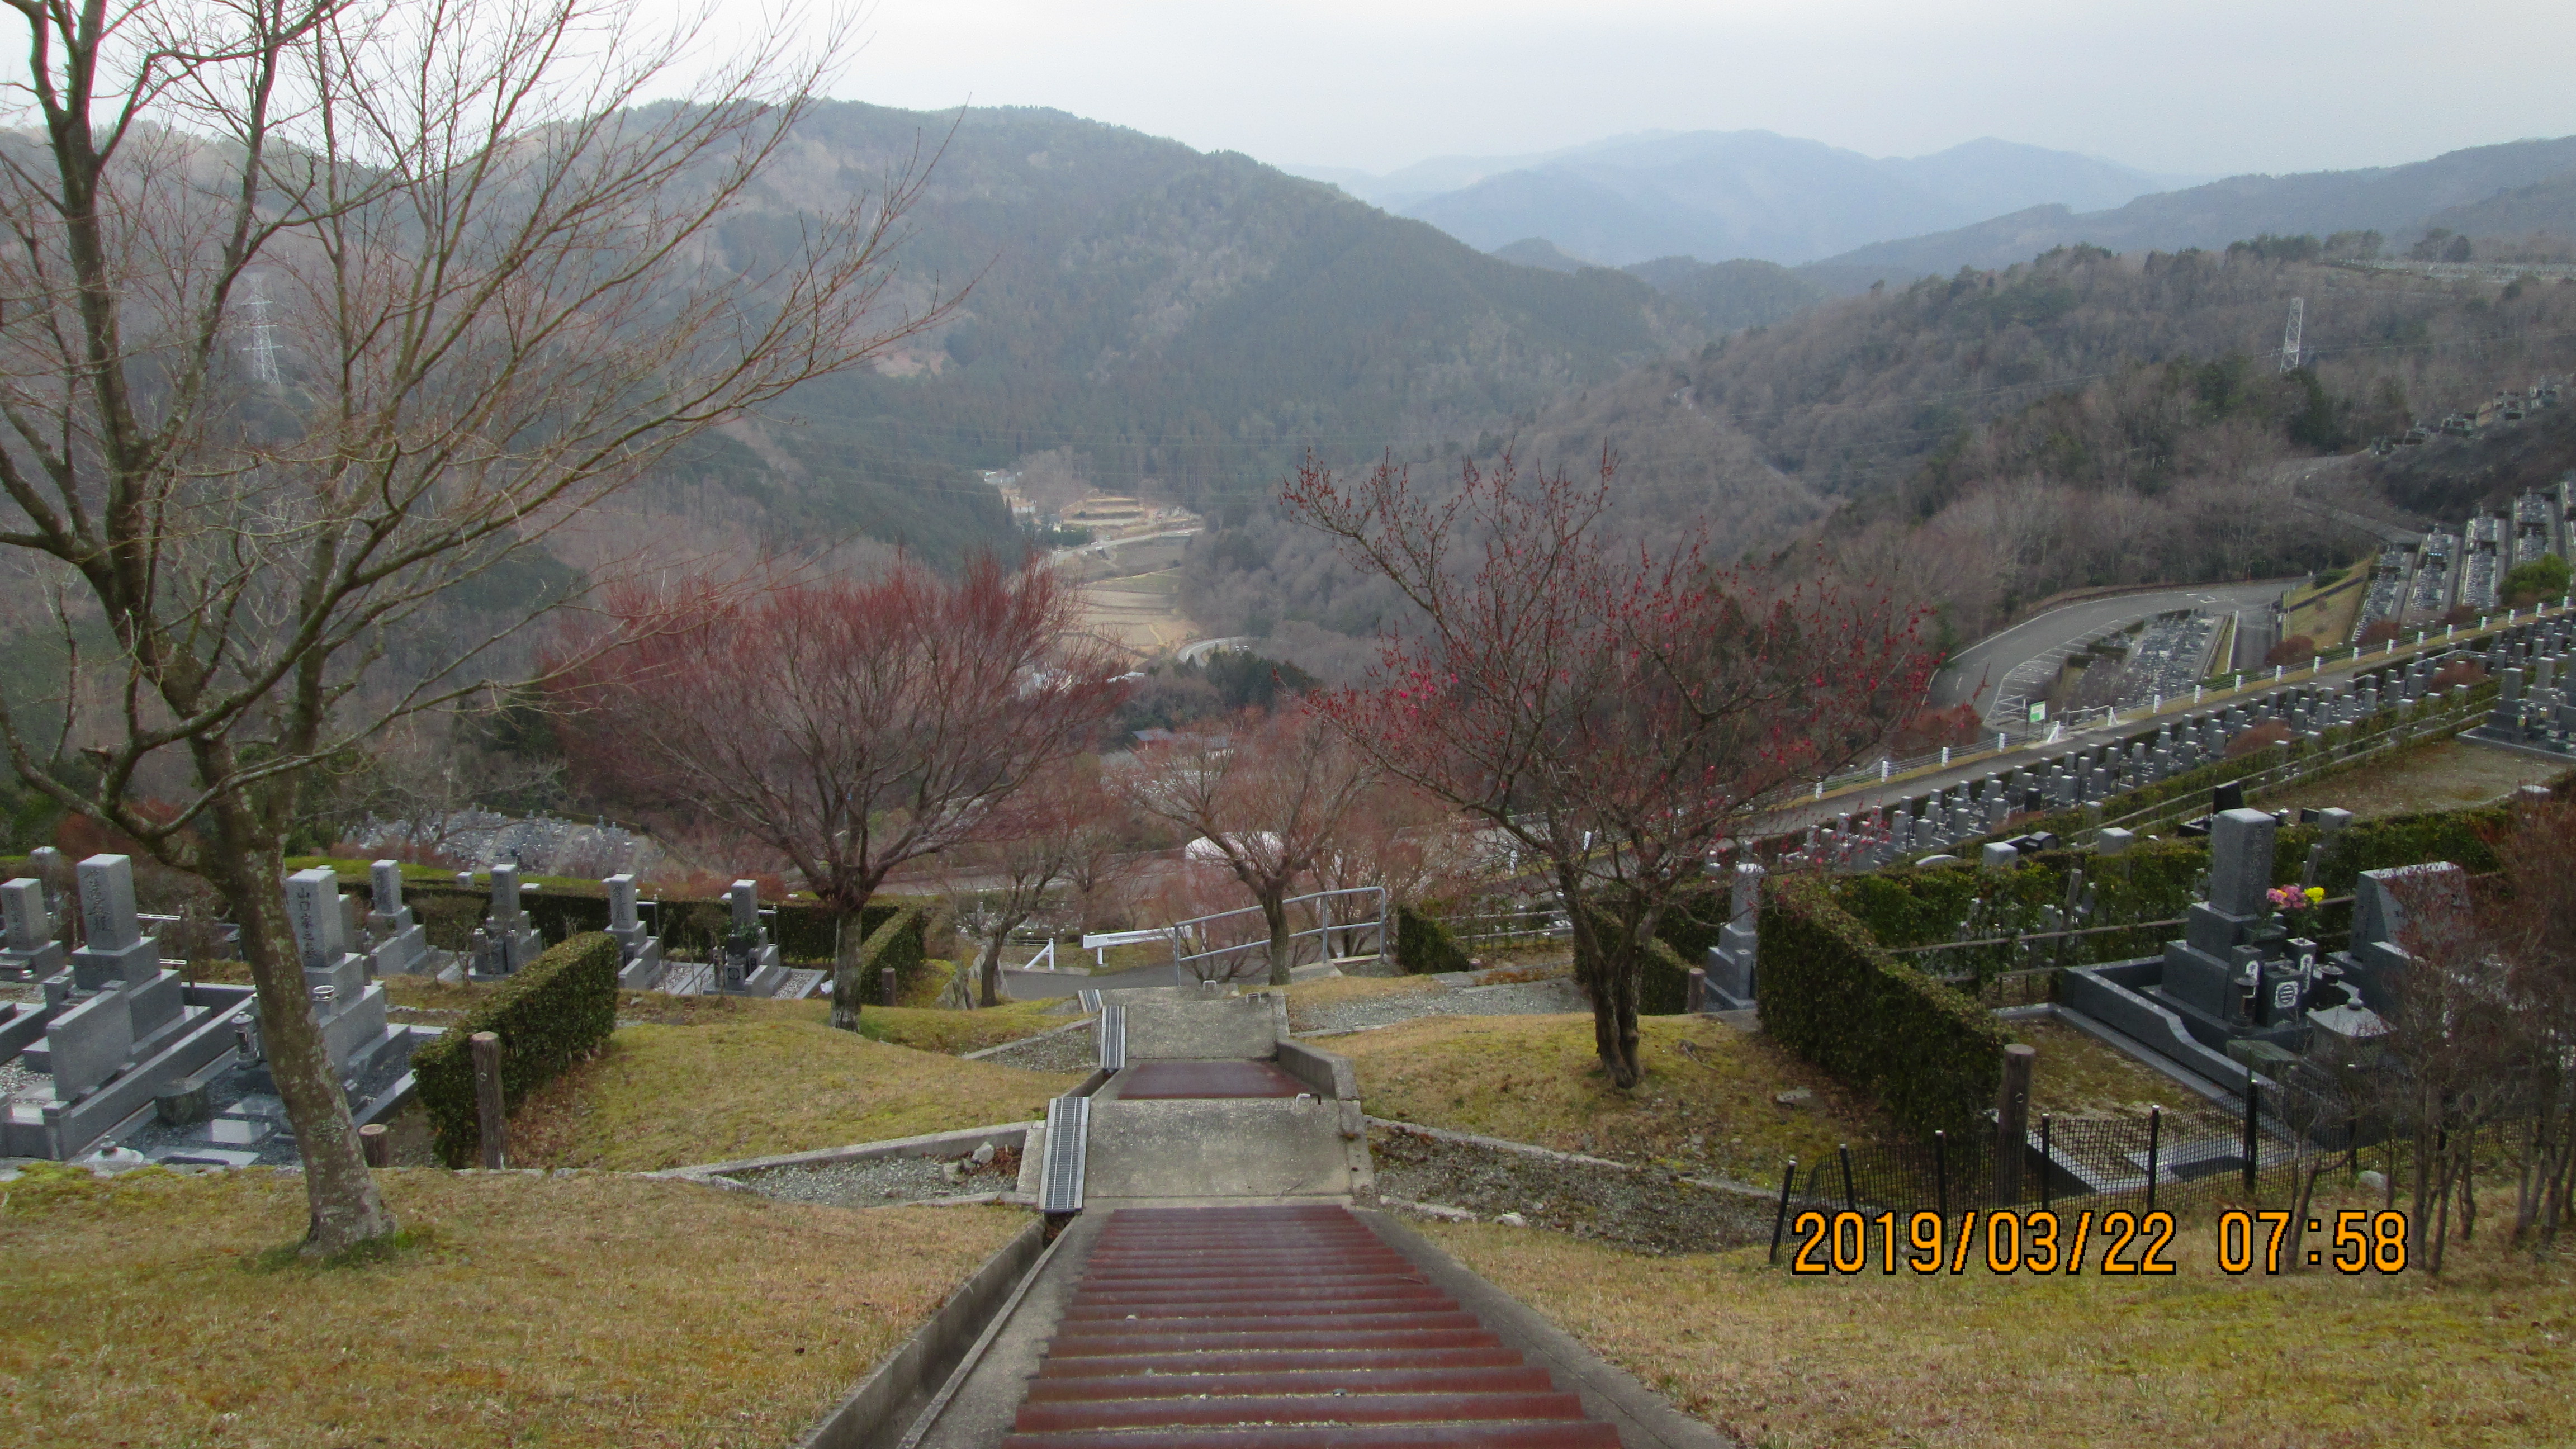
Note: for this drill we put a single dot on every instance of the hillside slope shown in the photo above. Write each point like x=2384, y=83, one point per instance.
x=1189, y=321
x=1983, y=440
x=2397, y=201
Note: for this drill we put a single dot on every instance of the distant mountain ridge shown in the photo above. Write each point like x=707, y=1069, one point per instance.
x=1730, y=194
x=2397, y=201
x=1182, y=318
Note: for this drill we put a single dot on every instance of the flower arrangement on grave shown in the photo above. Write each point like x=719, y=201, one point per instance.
x=2288, y=899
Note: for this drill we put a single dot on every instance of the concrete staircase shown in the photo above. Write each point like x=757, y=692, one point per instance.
x=1279, y=1328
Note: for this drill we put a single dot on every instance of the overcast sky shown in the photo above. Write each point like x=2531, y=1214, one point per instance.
x=2207, y=86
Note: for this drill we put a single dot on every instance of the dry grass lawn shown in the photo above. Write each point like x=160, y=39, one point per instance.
x=2076, y=1075
x=2483, y=1356
x=1706, y=1103
x=568, y=1312
x=1307, y=997
x=2446, y=776
x=670, y=1096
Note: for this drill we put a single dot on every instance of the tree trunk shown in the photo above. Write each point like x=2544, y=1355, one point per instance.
x=988, y=971
x=245, y=863
x=849, y=936
x=1283, y=945
x=1606, y=965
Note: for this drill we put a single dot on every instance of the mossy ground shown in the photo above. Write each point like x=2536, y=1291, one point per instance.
x=1706, y=1103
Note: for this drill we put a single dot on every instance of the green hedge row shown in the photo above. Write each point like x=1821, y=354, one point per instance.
x=549, y=1015
x=1835, y=997
x=1664, y=990
x=895, y=945
x=1424, y=946
x=563, y=909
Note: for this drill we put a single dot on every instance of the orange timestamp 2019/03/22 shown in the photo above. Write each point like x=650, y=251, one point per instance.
x=2112, y=1243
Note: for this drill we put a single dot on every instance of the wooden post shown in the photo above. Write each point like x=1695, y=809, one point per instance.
x=372, y=1141
x=493, y=1118
x=886, y=978
x=2012, y=1124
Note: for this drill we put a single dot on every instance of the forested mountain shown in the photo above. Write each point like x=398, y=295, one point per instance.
x=1986, y=439
x=1729, y=194
x=1187, y=322
x=2397, y=201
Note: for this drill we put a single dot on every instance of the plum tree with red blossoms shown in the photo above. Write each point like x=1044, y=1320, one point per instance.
x=1618, y=711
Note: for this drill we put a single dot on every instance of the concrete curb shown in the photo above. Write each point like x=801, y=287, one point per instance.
x=870, y=1416
x=1007, y=1134
x=1065, y=1030
x=1643, y=1418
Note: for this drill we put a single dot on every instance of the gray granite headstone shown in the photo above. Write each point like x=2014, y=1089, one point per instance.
x=88, y=1043
x=30, y=924
x=621, y=903
x=745, y=896
x=313, y=912
x=505, y=890
x=385, y=876
x=2240, y=860
x=107, y=903
x=2382, y=898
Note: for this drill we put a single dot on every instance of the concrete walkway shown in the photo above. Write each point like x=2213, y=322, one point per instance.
x=1219, y=1289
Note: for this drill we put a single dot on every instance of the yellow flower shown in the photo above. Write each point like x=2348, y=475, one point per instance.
x=2316, y=895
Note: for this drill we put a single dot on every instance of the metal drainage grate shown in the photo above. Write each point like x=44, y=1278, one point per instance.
x=1113, y=1038
x=1090, y=1000
x=1068, y=1138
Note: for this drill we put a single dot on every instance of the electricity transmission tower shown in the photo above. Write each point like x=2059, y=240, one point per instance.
x=2290, y=335
x=262, y=346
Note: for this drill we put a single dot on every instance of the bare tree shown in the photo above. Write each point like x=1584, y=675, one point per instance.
x=318, y=311
x=1617, y=713
x=1032, y=844
x=1268, y=795
x=850, y=726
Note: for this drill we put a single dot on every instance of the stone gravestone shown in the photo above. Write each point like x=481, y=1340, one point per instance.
x=1732, y=980
x=32, y=953
x=2215, y=976
x=639, y=955
x=349, y=1009
x=401, y=942
x=750, y=963
x=115, y=954
x=508, y=942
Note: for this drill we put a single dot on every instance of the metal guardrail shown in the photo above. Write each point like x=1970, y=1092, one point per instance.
x=1068, y=1143
x=1318, y=902
x=1112, y=1028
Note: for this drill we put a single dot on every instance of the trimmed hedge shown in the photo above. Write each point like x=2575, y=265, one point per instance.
x=1833, y=996
x=563, y=908
x=1663, y=986
x=1424, y=946
x=897, y=944
x=560, y=1007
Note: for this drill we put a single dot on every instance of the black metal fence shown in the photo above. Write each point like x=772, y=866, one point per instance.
x=2164, y=1161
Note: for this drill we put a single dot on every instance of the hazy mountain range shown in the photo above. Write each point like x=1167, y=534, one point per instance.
x=2505, y=190
x=1730, y=194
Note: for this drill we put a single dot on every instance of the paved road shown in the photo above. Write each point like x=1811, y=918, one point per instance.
x=1978, y=672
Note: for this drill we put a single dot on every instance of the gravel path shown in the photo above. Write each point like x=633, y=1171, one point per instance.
x=1527, y=998
x=17, y=1081
x=1648, y=1210
x=876, y=1181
